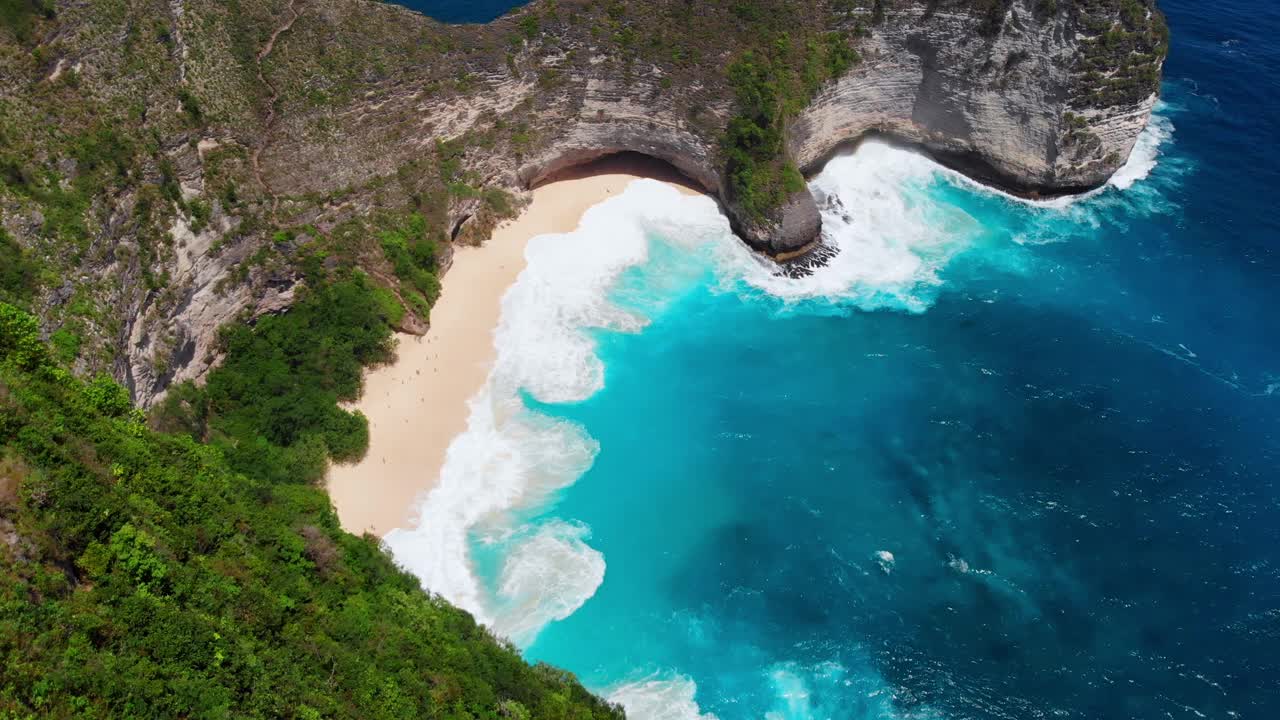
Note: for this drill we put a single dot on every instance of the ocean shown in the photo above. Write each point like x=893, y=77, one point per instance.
x=461, y=11
x=999, y=459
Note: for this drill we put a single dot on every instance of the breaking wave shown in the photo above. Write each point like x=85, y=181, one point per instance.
x=512, y=459
x=659, y=698
x=892, y=241
x=1146, y=151
x=894, y=238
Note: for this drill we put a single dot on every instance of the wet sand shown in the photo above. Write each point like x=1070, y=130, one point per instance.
x=418, y=404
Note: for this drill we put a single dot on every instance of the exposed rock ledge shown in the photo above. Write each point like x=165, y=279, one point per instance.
x=359, y=107
x=1014, y=109
x=1019, y=108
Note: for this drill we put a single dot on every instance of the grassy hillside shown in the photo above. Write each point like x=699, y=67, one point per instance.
x=140, y=576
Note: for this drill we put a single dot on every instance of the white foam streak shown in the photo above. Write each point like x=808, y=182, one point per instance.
x=508, y=457
x=893, y=238
x=892, y=241
x=1146, y=152
x=541, y=339
x=658, y=698
x=511, y=458
x=546, y=578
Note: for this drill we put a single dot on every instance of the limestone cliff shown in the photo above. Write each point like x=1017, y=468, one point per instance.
x=999, y=108
x=1002, y=90
x=252, y=130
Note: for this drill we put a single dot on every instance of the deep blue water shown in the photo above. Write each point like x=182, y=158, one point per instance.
x=1025, y=463
x=461, y=11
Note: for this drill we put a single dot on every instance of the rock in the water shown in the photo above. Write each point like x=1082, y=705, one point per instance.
x=886, y=560
x=792, y=230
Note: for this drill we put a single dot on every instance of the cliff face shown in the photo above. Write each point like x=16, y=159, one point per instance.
x=255, y=132
x=998, y=108
x=1005, y=90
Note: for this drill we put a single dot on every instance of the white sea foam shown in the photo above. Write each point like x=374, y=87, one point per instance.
x=1146, y=152
x=821, y=691
x=512, y=458
x=893, y=240
x=886, y=560
x=836, y=689
x=659, y=698
x=507, y=457
x=1143, y=158
x=792, y=693
x=546, y=577
x=543, y=340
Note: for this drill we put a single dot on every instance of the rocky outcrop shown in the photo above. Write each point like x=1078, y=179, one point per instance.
x=1008, y=96
x=305, y=115
x=995, y=89
x=996, y=108
x=793, y=231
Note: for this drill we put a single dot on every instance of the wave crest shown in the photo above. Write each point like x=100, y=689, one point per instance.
x=511, y=458
x=546, y=577
x=895, y=239
x=659, y=698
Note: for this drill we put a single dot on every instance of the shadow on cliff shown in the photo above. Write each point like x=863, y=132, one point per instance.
x=627, y=163
x=968, y=163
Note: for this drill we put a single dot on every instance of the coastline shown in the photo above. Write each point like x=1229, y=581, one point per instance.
x=417, y=404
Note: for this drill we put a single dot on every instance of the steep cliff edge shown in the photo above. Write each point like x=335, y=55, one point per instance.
x=1005, y=90
x=169, y=161
x=1017, y=108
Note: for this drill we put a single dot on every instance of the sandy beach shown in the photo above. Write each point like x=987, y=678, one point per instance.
x=418, y=404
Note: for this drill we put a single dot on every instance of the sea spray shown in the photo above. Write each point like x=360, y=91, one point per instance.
x=511, y=458
x=545, y=577
x=503, y=474
x=659, y=698
x=892, y=243
x=1151, y=143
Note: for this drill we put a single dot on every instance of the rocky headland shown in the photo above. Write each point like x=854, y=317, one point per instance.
x=167, y=162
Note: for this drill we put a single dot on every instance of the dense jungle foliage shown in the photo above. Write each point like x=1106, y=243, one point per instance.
x=772, y=84
x=272, y=405
x=142, y=577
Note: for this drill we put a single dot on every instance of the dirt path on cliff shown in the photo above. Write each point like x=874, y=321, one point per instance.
x=294, y=13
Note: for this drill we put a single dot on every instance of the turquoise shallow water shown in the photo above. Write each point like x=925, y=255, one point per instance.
x=998, y=461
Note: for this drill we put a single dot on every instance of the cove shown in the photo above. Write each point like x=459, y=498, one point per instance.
x=996, y=460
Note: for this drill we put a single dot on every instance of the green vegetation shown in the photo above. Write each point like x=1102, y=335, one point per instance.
x=17, y=271
x=18, y=17
x=1127, y=40
x=760, y=176
x=529, y=26
x=187, y=563
x=272, y=406
x=103, y=158
x=190, y=106
x=772, y=83
x=66, y=345
x=412, y=254
x=142, y=577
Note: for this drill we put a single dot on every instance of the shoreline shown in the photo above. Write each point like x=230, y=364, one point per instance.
x=417, y=404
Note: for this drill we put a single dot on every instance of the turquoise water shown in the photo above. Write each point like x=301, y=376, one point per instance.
x=999, y=460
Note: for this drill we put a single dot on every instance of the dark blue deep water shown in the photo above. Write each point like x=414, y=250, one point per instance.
x=1006, y=461
x=461, y=11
